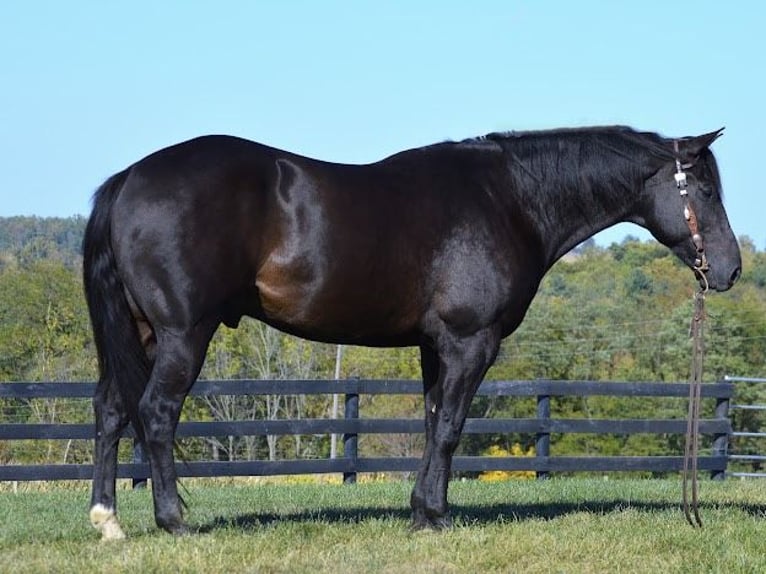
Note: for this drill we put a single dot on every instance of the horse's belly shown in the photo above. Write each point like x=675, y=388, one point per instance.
x=334, y=311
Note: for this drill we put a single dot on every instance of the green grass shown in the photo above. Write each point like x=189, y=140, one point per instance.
x=565, y=525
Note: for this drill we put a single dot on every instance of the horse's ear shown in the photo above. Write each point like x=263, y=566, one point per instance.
x=691, y=148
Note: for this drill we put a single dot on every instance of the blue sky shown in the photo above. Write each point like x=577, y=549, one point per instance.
x=86, y=88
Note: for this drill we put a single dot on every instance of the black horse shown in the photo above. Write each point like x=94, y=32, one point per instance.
x=442, y=247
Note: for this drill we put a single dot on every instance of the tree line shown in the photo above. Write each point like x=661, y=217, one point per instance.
x=619, y=312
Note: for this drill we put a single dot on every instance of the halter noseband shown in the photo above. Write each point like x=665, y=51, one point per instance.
x=700, y=263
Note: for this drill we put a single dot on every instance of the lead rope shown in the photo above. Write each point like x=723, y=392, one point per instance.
x=691, y=447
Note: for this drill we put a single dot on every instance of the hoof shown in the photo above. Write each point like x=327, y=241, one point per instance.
x=104, y=520
x=180, y=530
x=430, y=523
x=175, y=528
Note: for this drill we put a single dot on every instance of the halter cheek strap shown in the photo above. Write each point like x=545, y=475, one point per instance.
x=700, y=264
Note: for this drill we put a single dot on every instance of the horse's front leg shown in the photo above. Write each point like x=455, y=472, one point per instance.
x=462, y=363
x=429, y=362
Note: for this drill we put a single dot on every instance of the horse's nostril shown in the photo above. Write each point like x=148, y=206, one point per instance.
x=735, y=276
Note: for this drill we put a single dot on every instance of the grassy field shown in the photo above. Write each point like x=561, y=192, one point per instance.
x=565, y=525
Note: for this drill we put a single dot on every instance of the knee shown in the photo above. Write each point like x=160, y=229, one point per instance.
x=447, y=436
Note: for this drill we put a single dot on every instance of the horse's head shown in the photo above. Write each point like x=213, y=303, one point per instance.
x=685, y=212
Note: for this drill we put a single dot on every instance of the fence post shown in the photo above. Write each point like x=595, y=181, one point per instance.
x=720, y=441
x=543, y=439
x=139, y=457
x=351, y=440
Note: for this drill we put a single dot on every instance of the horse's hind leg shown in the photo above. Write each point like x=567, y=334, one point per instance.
x=111, y=419
x=178, y=359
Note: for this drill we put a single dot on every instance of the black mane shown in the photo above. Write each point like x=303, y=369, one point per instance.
x=610, y=158
x=619, y=138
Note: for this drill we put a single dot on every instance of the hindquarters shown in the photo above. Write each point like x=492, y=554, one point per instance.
x=158, y=273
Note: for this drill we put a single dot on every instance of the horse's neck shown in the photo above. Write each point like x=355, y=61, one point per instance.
x=577, y=226
x=572, y=211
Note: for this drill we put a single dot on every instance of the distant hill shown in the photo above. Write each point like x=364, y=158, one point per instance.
x=29, y=238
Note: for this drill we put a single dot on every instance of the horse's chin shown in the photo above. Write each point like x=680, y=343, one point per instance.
x=717, y=287
x=710, y=283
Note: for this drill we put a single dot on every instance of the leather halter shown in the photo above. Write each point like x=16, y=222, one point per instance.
x=700, y=264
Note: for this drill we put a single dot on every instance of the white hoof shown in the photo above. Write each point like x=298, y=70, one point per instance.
x=105, y=520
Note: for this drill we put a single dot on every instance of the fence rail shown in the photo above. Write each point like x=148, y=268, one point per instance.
x=754, y=459
x=351, y=426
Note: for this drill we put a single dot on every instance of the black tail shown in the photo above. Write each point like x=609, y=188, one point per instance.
x=121, y=357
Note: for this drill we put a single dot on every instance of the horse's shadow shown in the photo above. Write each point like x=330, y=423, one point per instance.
x=464, y=514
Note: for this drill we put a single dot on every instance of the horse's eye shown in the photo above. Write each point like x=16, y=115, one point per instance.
x=706, y=190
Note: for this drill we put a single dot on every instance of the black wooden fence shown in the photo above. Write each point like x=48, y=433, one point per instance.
x=744, y=457
x=352, y=425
